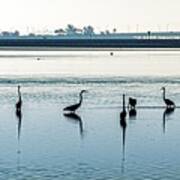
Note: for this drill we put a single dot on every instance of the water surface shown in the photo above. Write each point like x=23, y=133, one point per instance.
x=90, y=146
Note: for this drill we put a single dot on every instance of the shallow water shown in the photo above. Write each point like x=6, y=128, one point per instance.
x=52, y=146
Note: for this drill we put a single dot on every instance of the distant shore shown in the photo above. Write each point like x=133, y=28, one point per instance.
x=91, y=44
x=84, y=49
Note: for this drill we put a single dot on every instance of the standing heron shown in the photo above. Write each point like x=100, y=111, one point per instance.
x=169, y=103
x=19, y=102
x=74, y=107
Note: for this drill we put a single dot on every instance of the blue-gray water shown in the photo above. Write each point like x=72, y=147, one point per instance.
x=52, y=146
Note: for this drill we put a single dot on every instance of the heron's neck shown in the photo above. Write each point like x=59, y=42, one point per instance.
x=81, y=98
x=164, y=94
x=124, y=108
x=19, y=94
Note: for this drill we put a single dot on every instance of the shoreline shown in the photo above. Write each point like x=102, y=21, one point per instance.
x=85, y=49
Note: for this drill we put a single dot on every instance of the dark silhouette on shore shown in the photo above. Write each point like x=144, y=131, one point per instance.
x=123, y=124
x=74, y=107
x=76, y=118
x=169, y=103
x=167, y=112
x=19, y=102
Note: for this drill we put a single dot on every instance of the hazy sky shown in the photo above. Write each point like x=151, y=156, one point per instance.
x=131, y=15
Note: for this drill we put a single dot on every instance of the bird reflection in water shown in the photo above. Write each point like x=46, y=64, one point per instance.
x=132, y=114
x=123, y=125
x=76, y=118
x=168, y=111
x=19, y=117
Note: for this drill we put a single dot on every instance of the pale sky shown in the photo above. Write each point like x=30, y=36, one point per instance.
x=125, y=15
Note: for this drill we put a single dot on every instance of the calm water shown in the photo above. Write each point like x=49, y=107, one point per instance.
x=52, y=146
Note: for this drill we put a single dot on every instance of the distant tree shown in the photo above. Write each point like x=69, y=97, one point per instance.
x=60, y=31
x=114, y=30
x=5, y=33
x=102, y=33
x=16, y=33
x=78, y=30
x=107, y=32
x=71, y=30
x=31, y=34
x=149, y=34
x=88, y=30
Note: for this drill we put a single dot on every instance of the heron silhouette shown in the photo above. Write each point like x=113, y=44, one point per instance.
x=74, y=107
x=132, y=103
x=169, y=103
x=19, y=102
x=123, y=113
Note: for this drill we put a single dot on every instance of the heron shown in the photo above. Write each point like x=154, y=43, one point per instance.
x=169, y=103
x=74, y=107
x=19, y=102
x=132, y=103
